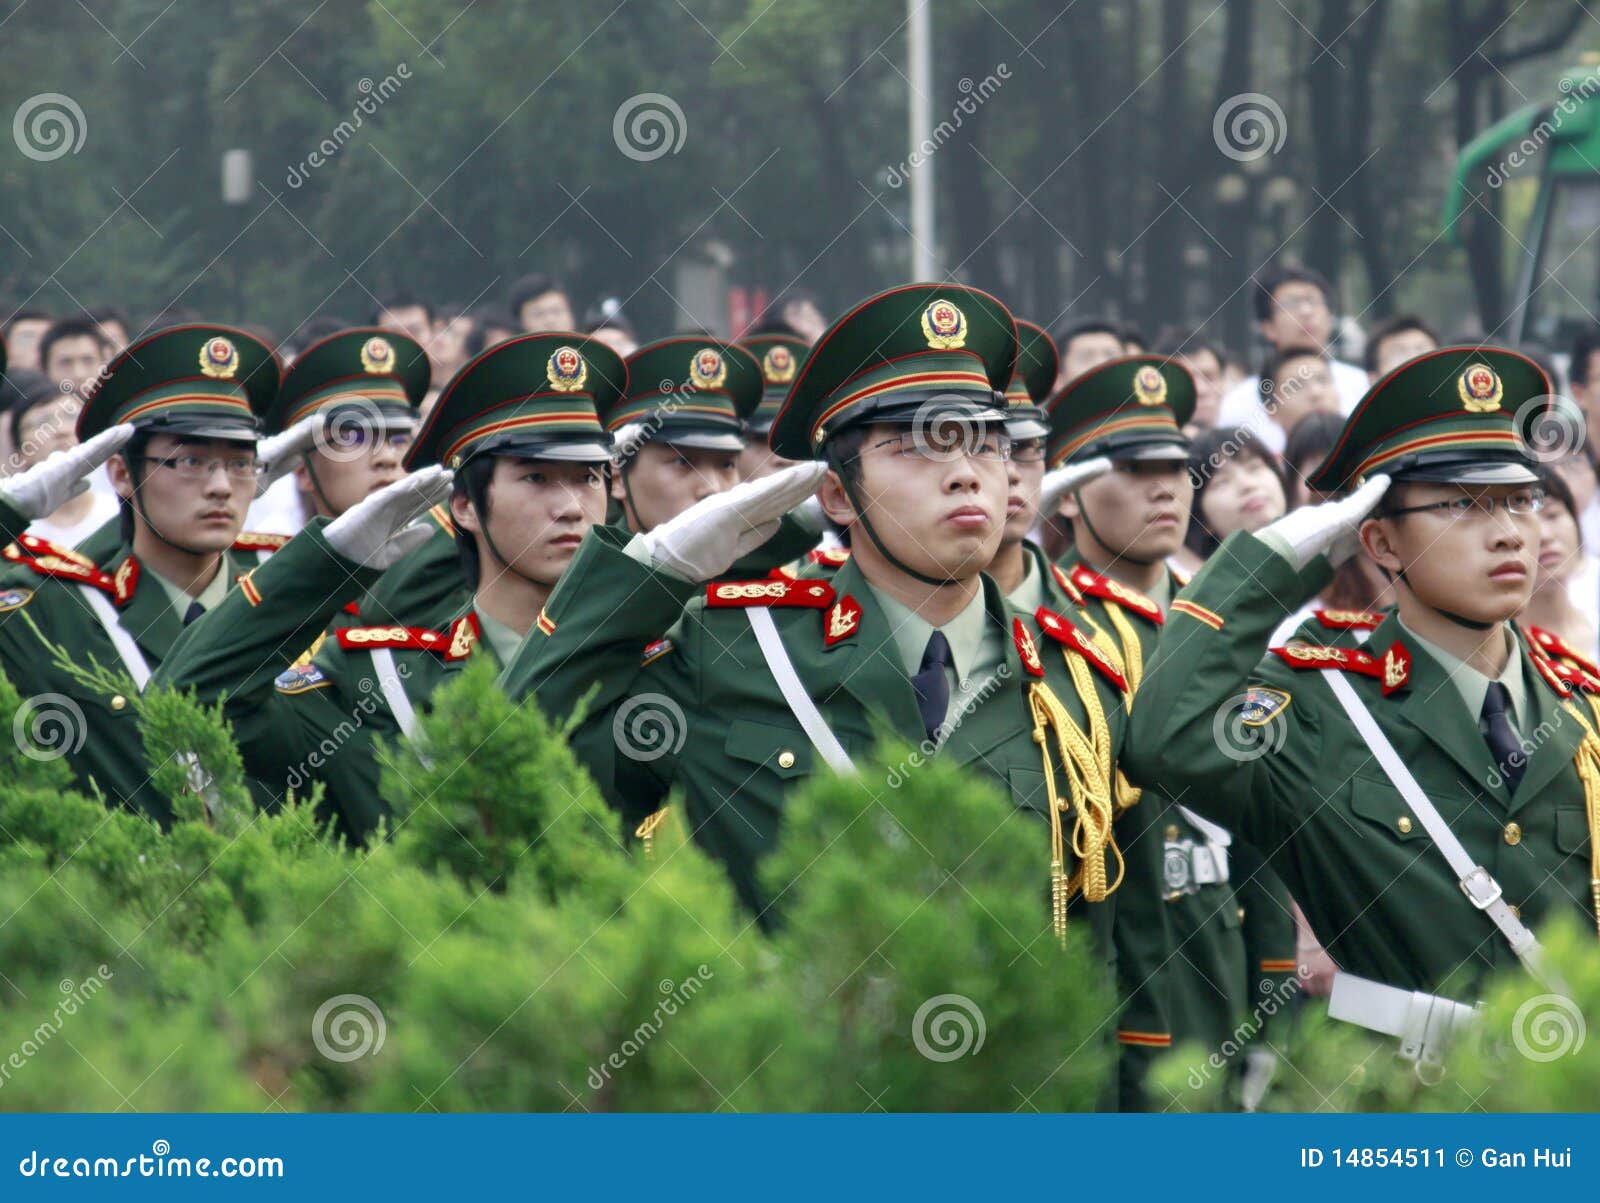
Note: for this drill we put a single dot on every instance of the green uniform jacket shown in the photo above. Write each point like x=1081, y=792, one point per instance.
x=1287, y=772
x=103, y=746
x=316, y=721
x=731, y=742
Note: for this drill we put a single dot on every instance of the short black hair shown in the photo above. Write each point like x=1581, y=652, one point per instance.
x=1131, y=333
x=28, y=390
x=25, y=315
x=472, y=481
x=1556, y=486
x=1268, y=282
x=1272, y=375
x=68, y=327
x=1206, y=452
x=102, y=314
x=314, y=329
x=1584, y=346
x=1401, y=323
x=771, y=319
x=485, y=318
x=1313, y=435
x=617, y=321
x=534, y=285
x=1078, y=327
x=400, y=298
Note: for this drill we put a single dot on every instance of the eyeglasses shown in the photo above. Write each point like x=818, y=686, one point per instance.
x=940, y=445
x=198, y=467
x=1518, y=504
x=1027, y=451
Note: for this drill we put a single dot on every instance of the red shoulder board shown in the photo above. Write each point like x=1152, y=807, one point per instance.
x=1557, y=676
x=1062, y=631
x=1552, y=644
x=1392, y=669
x=1066, y=584
x=464, y=635
x=1107, y=589
x=802, y=591
x=843, y=620
x=124, y=580
x=784, y=573
x=829, y=557
x=353, y=608
x=70, y=570
x=363, y=638
x=32, y=545
x=257, y=541
x=1348, y=620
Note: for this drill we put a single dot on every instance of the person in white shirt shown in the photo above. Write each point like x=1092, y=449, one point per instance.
x=44, y=420
x=1293, y=308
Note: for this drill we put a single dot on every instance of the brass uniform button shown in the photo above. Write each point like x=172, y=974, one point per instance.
x=1404, y=824
x=1513, y=834
x=786, y=760
x=118, y=702
x=1241, y=914
x=1516, y=911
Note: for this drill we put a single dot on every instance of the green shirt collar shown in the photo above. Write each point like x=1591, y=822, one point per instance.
x=911, y=633
x=1029, y=595
x=1474, y=685
x=209, y=596
x=502, y=640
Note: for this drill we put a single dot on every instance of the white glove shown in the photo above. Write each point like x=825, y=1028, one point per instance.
x=373, y=531
x=1058, y=483
x=627, y=439
x=50, y=484
x=810, y=515
x=278, y=453
x=702, y=542
x=1329, y=528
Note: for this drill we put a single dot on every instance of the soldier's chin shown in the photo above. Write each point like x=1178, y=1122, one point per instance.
x=211, y=538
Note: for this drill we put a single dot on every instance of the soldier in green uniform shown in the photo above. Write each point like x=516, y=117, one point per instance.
x=518, y=430
x=762, y=683
x=357, y=393
x=180, y=409
x=1424, y=795
x=780, y=357
x=1125, y=523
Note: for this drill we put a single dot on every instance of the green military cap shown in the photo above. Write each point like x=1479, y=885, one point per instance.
x=691, y=392
x=893, y=356
x=1128, y=408
x=780, y=356
x=1462, y=415
x=209, y=381
x=538, y=396
x=380, y=374
x=1031, y=381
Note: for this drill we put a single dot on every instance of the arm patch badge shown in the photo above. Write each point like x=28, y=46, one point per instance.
x=300, y=679
x=1261, y=705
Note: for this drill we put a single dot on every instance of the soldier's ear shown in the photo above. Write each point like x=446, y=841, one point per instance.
x=1375, y=535
x=835, y=502
x=463, y=513
x=118, y=473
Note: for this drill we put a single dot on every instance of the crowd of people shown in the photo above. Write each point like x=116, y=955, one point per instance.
x=1116, y=528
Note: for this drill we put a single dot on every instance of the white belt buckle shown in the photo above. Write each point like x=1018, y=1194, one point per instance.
x=1482, y=890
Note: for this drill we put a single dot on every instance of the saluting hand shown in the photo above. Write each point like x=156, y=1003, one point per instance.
x=278, y=453
x=1330, y=528
x=704, y=541
x=374, y=533
x=50, y=484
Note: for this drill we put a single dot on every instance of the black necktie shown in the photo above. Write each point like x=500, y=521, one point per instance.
x=932, y=686
x=1504, y=746
x=193, y=612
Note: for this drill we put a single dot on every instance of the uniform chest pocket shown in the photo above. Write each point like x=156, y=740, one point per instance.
x=784, y=750
x=1379, y=803
x=1028, y=789
x=1572, y=828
